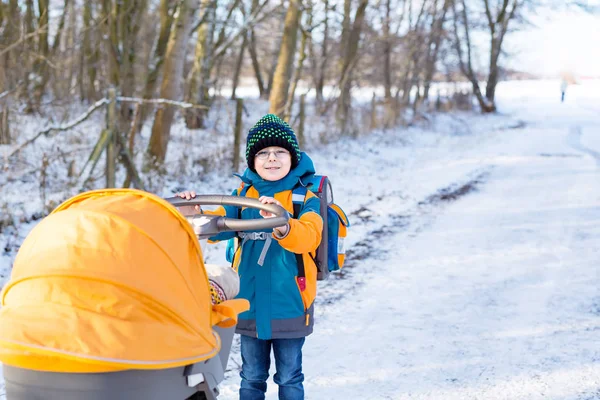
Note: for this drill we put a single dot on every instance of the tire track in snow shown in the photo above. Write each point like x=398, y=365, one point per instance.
x=352, y=276
x=574, y=140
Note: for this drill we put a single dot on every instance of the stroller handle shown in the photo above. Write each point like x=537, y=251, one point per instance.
x=234, y=224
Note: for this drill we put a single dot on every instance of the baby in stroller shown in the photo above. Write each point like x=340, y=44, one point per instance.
x=224, y=282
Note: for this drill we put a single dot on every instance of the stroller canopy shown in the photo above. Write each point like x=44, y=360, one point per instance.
x=110, y=280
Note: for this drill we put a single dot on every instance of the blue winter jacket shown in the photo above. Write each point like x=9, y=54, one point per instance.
x=280, y=307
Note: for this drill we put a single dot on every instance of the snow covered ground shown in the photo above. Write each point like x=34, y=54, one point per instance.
x=472, y=267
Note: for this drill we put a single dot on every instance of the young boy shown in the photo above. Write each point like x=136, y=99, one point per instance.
x=281, y=304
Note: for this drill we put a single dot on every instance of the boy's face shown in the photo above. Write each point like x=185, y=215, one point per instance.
x=272, y=163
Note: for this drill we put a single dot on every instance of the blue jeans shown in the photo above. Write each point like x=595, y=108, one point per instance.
x=256, y=360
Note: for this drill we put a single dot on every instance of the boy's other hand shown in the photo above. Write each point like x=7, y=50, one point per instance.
x=280, y=230
x=188, y=210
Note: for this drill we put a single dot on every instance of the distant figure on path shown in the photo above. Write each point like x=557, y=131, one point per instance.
x=563, y=90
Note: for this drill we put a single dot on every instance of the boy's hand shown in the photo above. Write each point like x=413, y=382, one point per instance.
x=188, y=210
x=280, y=230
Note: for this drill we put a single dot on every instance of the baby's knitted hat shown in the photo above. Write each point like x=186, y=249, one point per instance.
x=271, y=130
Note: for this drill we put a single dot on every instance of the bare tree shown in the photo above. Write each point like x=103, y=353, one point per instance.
x=9, y=22
x=300, y=66
x=197, y=82
x=254, y=55
x=157, y=59
x=238, y=67
x=90, y=56
x=415, y=40
x=498, y=20
x=287, y=51
x=320, y=63
x=28, y=46
x=43, y=51
x=111, y=41
x=4, y=126
x=388, y=41
x=436, y=34
x=348, y=63
x=132, y=13
x=172, y=82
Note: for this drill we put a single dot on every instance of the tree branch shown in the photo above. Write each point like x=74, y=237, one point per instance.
x=23, y=39
x=60, y=128
x=161, y=101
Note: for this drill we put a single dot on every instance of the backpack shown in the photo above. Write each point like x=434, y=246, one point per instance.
x=330, y=254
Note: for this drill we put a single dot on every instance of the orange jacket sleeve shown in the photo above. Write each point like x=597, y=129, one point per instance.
x=305, y=233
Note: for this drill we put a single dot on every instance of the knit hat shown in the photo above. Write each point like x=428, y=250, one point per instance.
x=271, y=130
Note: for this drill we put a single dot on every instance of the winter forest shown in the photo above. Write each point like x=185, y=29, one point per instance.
x=470, y=183
x=149, y=65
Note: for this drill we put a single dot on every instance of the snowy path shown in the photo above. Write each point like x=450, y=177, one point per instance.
x=574, y=140
x=464, y=311
x=492, y=294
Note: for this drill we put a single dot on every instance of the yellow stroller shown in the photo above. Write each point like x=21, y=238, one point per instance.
x=109, y=300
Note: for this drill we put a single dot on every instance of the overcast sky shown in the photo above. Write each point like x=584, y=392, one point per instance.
x=561, y=41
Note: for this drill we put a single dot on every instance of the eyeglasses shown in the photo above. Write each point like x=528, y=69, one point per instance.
x=263, y=155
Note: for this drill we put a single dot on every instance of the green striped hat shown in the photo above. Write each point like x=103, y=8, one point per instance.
x=271, y=130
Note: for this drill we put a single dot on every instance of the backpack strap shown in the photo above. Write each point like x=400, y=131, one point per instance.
x=298, y=199
x=235, y=243
x=242, y=193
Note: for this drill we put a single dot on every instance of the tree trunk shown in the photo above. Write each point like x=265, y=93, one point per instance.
x=349, y=61
x=287, y=51
x=60, y=79
x=199, y=75
x=486, y=107
x=40, y=66
x=387, y=53
x=498, y=27
x=171, y=87
x=465, y=61
x=238, y=67
x=490, y=87
x=299, y=69
x=90, y=55
x=10, y=21
x=345, y=30
x=4, y=128
x=111, y=43
x=131, y=16
x=274, y=64
x=272, y=68
x=435, y=39
x=256, y=64
x=28, y=47
x=321, y=71
x=60, y=28
x=71, y=51
x=389, y=117
x=158, y=58
x=254, y=55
